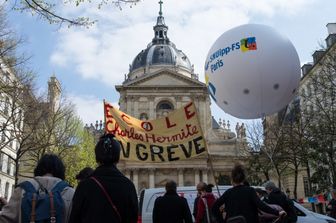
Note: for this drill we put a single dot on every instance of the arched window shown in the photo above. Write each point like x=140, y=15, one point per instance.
x=163, y=108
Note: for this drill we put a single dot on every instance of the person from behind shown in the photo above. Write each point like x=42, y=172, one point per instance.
x=276, y=196
x=199, y=187
x=171, y=208
x=241, y=201
x=331, y=207
x=84, y=174
x=205, y=203
x=30, y=200
x=261, y=194
x=107, y=196
x=265, y=217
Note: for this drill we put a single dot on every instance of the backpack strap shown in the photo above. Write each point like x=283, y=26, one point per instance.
x=52, y=208
x=206, y=209
x=33, y=213
x=107, y=196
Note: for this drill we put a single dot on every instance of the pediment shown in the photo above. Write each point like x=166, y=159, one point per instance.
x=165, y=78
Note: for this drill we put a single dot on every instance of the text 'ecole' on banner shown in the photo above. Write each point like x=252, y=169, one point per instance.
x=175, y=137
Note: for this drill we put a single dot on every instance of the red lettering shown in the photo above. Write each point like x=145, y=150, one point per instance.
x=169, y=125
x=107, y=110
x=147, y=126
x=109, y=125
x=189, y=114
x=124, y=117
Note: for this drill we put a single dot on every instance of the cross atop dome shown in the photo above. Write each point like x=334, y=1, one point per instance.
x=160, y=12
x=160, y=29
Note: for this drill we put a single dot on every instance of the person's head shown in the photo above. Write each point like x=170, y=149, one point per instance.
x=84, y=173
x=171, y=186
x=107, y=150
x=333, y=193
x=269, y=186
x=208, y=188
x=260, y=192
x=238, y=175
x=200, y=187
x=50, y=164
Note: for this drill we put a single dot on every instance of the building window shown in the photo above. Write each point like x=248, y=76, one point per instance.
x=1, y=160
x=6, y=106
x=6, y=190
x=163, y=108
x=9, y=165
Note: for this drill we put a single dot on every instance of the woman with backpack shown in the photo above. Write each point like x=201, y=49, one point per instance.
x=32, y=199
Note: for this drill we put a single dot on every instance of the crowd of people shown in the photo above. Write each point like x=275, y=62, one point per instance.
x=106, y=195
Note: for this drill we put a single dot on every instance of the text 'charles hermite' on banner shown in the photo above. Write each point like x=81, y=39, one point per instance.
x=175, y=137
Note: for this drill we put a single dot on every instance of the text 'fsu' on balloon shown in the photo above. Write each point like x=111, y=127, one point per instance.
x=252, y=71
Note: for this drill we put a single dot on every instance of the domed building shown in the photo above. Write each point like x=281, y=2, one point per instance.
x=161, y=79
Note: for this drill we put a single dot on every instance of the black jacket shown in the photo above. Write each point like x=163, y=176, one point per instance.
x=279, y=198
x=171, y=208
x=90, y=205
x=241, y=200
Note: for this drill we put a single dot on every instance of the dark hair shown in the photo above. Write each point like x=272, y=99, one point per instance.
x=238, y=174
x=260, y=191
x=208, y=188
x=84, y=173
x=171, y=186
x=52, y=164
x=107, y=149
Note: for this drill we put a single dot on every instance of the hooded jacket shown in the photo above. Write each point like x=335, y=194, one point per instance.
x=11, y=213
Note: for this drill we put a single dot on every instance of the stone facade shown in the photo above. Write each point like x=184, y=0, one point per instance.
x=159, y=83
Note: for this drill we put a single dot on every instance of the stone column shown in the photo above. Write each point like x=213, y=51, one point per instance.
x=128, y=173
x=180, y=178
x=178, y=100
x=136, y=179
x=205, y=175
x=197, y=176
x=151, y=178
x=151, y=107
x=129, y=105
x=136, y=107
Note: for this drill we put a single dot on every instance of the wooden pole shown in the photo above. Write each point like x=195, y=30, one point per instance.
x=213, y=172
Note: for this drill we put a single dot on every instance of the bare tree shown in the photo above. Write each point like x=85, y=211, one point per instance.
x=47, y=10
x=266, y=141
x=319, y=107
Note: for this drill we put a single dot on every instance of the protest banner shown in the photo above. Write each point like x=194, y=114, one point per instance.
x=175, y=137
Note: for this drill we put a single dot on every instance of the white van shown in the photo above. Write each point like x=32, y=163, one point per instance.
x=148, y=196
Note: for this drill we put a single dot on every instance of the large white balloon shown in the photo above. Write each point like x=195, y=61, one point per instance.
x=252, y=71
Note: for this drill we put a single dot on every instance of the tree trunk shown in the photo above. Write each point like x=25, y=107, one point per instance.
x=296, y=173
x=16, y=175
x=310, y=193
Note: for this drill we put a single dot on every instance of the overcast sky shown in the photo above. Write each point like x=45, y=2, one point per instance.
x=89, y=62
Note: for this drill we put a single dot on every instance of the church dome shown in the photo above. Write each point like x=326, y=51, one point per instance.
x=161, y=54
x=161, y=51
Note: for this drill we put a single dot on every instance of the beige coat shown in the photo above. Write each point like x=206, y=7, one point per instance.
x=11, y=213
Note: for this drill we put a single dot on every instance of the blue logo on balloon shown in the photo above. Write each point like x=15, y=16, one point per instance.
x=212, y=91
